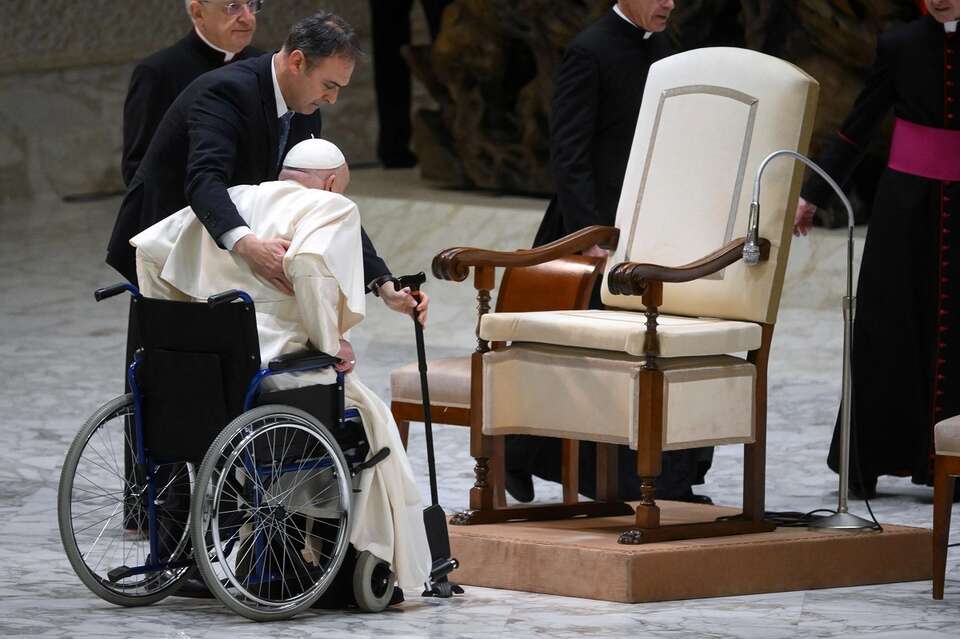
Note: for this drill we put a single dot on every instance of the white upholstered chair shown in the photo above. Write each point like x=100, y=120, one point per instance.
x=678, y=359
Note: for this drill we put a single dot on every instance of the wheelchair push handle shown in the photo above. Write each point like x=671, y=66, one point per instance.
x=228, y=296
x=111, y=291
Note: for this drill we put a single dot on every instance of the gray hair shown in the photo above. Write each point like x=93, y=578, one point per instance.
x=323, y=35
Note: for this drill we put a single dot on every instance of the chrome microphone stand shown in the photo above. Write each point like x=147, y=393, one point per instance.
x=842, y=520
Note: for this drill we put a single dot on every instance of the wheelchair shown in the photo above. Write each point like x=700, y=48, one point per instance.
x=155, y=488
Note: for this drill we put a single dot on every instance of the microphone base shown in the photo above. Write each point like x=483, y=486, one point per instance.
x=843, y=521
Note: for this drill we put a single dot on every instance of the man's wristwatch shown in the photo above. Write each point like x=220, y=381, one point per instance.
x=374, y=286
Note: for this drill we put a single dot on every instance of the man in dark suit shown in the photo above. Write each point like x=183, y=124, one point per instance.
x=221, y=33
x=595, y=108
x=231, y=126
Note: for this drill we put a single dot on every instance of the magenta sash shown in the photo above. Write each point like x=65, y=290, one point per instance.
x=925, y=151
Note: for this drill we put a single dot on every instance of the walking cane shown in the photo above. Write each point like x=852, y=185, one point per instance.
x=434, y=519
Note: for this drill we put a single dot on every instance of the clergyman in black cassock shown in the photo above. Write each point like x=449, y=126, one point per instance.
x=906, y=353
x=594, y=115
x=155, y=84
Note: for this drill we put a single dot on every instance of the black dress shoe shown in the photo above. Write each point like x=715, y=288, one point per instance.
x=520, y=485
x=194, y=588
x=696, y=499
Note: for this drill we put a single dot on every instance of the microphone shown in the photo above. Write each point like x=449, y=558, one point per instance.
x=842, y=520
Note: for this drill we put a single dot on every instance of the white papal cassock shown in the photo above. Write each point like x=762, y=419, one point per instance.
x=178, y=260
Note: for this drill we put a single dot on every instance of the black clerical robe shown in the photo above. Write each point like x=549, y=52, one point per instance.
x=155, y=84
x=595, y=106
x=906, y=347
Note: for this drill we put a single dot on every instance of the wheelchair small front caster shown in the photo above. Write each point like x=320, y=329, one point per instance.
x=443, y=589
x=372, y=583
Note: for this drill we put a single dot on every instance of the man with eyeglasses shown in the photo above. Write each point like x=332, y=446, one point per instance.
x=221, y=33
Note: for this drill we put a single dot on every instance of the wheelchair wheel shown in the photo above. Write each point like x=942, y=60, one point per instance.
x=102, y=516
x=372, y=583
x=272, y=509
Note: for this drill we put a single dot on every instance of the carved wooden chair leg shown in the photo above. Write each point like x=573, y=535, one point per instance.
x=608, y=488
x=570, y=470
x=755, y=454
x=497, y=475
x=943, y=488
x=403, y=427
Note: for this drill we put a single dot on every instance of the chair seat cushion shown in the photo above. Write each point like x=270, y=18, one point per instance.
x=947, y=436
x=623, y=331
x=449, y=381
x=594, y=395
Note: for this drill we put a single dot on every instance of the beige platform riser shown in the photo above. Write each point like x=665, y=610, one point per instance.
x=588, y=563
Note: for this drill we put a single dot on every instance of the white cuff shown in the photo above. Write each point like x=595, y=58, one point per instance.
x=229, y=239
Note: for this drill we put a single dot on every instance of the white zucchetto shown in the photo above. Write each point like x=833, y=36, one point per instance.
x=314, y=154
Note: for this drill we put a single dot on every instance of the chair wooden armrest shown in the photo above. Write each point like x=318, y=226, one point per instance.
x=632, y=278
x=454, y=263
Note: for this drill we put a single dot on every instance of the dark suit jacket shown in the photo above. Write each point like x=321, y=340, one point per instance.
x=594, y=115
x=155, y=84
x=221, y=131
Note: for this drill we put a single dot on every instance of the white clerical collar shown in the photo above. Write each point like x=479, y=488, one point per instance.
x=227, y=56
x=950, y=27
x=277, y=94
x=616, y=9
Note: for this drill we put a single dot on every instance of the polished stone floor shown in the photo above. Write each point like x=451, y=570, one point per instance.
x=60, y=357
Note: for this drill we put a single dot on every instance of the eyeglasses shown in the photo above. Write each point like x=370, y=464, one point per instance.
x=236, y=8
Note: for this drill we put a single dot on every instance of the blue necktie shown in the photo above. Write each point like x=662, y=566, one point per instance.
x=284, y=134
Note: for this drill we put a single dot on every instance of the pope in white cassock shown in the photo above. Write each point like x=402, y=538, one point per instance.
x=178, y=260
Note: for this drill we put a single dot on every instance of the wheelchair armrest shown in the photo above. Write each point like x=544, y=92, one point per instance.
x=228, y=296
x=301, y=360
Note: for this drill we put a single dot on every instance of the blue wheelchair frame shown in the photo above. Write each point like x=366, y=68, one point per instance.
x=259, y=573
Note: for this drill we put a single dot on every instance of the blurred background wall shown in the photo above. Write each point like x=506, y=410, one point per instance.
x=65, y=65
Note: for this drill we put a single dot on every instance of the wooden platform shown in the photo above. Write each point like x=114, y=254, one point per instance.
x=581, y=558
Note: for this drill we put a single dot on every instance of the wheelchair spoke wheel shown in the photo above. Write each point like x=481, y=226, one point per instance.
x=102, y=513
x=272, y=511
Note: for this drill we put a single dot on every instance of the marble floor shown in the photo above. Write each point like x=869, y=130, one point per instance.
x=60, y=357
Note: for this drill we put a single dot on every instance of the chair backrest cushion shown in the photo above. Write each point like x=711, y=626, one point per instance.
x=708, y=119
x=558, y=285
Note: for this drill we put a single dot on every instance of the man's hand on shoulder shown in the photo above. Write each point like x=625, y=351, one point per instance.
x=265, y=257
x=403, y=301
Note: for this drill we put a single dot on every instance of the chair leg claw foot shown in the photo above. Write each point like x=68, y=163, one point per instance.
x=632, y=536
